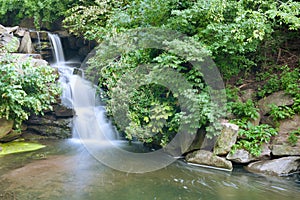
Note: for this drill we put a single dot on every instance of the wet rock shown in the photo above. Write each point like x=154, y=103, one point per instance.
x=61, y=111
x=203, y=157
x=52, y=131
x=282, y=166
x=63, y=33
x=226, y=139
x=277, y=98
x=26, y=44
x=5, y=127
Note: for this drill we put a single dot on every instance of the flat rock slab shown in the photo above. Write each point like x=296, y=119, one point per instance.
x=279, y=167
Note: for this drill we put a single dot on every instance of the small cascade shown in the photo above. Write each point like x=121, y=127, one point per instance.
x=58, y=53
x=39, y=45
x=90, y=122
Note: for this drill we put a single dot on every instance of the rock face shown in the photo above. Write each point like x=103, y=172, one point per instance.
x=226, y=139
x=203, y=157
x=277, y=98
x=5, y=127
x=52, y=125
x=282, y=166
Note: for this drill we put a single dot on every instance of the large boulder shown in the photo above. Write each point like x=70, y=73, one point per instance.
x=278, y=98
x=5, y=127
x=281, y=166
x=226, y=139
x=207, y=158
x=26, y=44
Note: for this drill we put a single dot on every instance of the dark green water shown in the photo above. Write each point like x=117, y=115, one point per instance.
x=65, y=170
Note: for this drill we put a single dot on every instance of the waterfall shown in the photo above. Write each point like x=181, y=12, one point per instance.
x=58, y=53
x=90, y=121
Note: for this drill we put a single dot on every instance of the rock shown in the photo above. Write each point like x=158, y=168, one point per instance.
x=63, y=33
x=52, y=131
x=281, y=166
x=282, y=147
x=11, y=136
x=226, y=139
x=20, y=32
x=12, y=29
x=2, y=29
x=28, y=23
x=49, y=125
x=61, y=111
x=5, y=127
x=84, y=51
x=9, y=42
x=286, y=150
x=203, y=157
x=248, y=94
x=243, y=156
x=42, y=35
x=280, y=144
x=289, y=125
x=277, y=98
x=26, y=44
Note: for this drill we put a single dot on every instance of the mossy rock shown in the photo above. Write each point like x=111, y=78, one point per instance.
x=18, y=147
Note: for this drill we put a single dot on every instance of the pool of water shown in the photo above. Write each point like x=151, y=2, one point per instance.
x=65, y=170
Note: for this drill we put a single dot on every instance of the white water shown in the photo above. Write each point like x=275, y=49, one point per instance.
x=90, y=123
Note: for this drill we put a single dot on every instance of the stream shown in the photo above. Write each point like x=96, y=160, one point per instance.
x=66, y=169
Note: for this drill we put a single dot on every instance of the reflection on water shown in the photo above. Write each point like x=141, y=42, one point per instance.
x=65, y=170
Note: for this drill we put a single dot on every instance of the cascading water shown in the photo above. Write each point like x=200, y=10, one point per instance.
x=90, y=122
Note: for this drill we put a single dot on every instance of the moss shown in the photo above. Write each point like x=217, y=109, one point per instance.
x=18, y=147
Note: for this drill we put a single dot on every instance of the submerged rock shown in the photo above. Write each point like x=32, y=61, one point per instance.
x=281, y=166
x=203, y=157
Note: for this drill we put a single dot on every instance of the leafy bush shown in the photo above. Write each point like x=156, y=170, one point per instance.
x=12, y=11
x=293, y=137
x=25, y=89
x=281, y=112
x=253, y=138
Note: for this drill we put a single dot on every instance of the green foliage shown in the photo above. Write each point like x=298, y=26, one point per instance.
x=231, y=32
x=245, y=110
x=281, y=112
x=12, y=11
x=25, y=89
x=253, y=137
x=293, y=137
x=280, y=78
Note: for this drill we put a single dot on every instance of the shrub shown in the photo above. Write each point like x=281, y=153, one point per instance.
x=25, y=89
